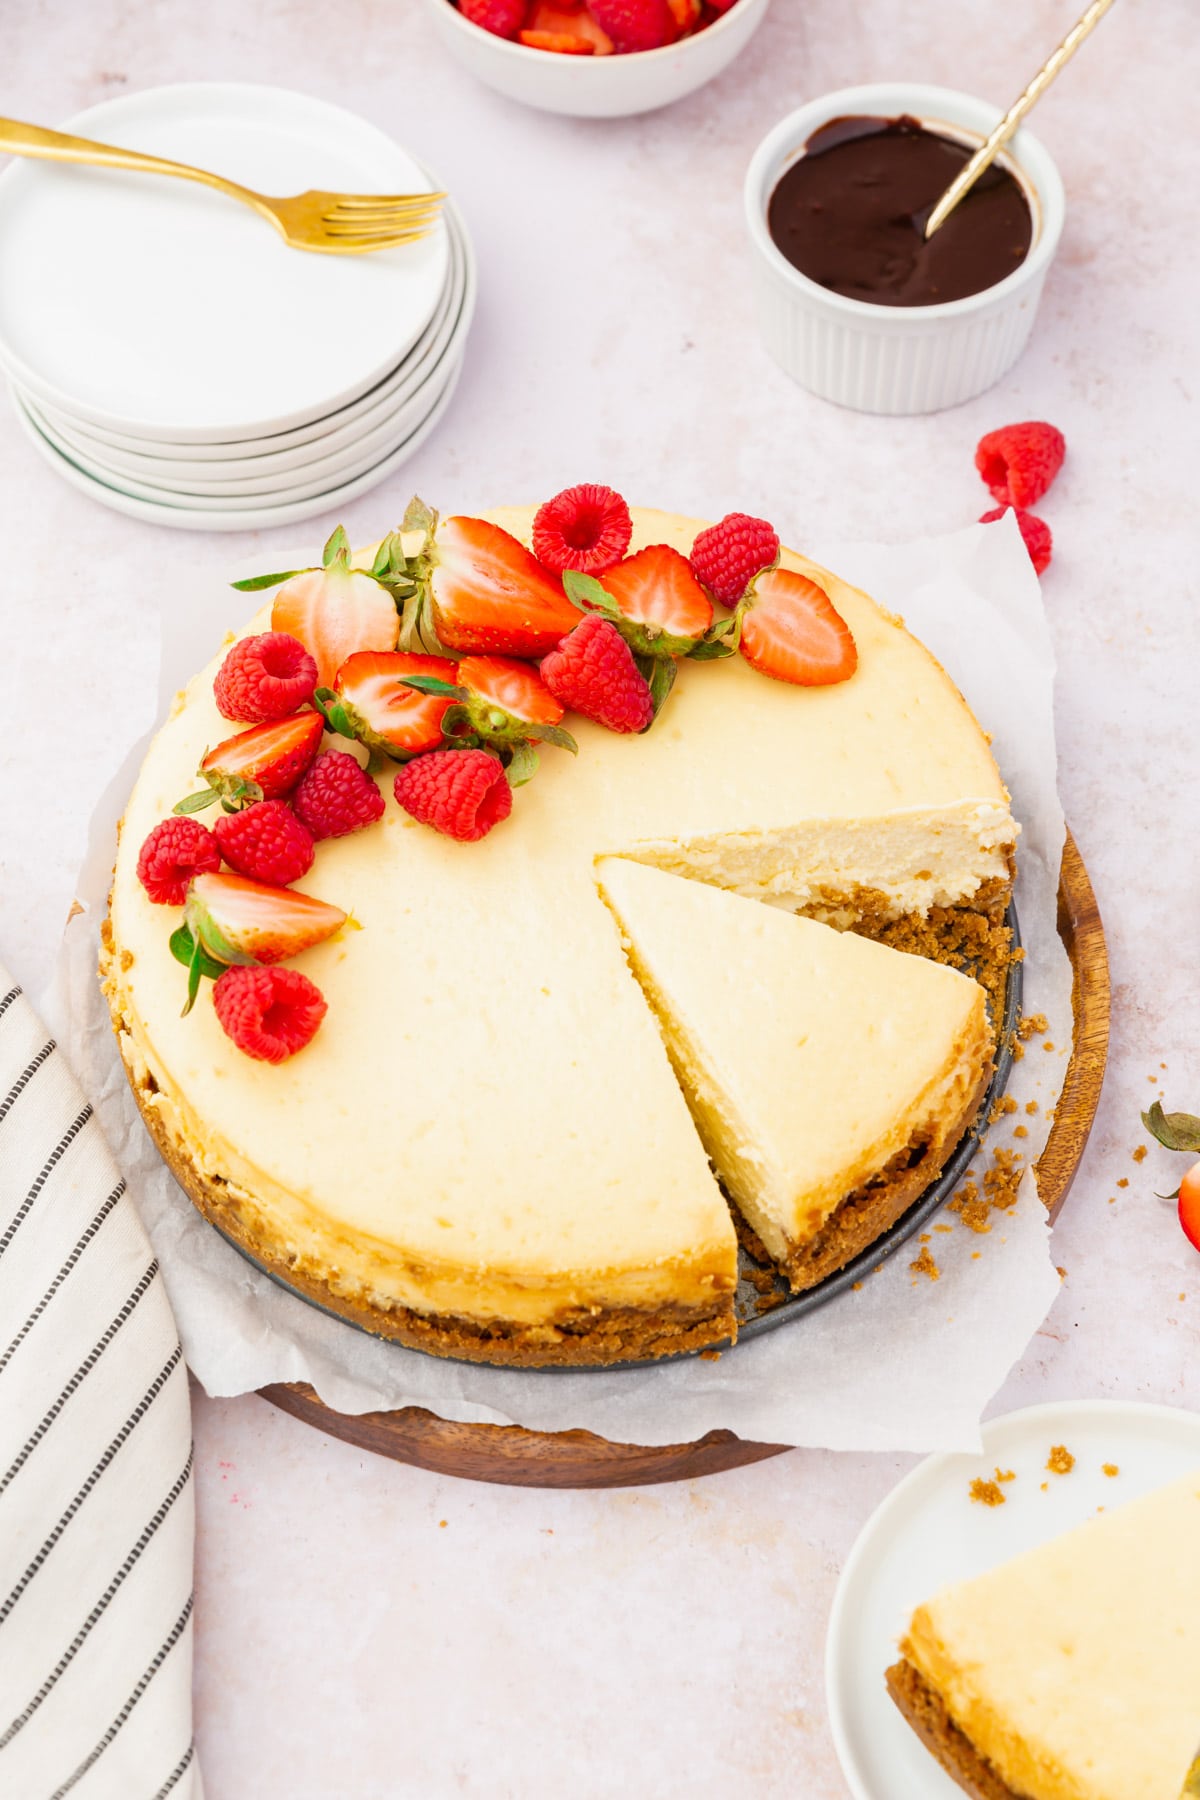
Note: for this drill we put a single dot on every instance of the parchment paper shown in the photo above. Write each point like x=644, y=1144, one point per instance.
x=907, y=1362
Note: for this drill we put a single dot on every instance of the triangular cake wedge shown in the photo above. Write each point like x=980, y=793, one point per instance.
x=1071, y=1670
x=829, y=1076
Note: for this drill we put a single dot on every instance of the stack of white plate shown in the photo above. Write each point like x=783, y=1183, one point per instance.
x=169, y=355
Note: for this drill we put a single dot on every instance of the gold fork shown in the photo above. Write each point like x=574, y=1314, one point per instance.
x=339, y=224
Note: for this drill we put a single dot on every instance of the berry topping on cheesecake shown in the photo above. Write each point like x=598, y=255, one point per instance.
x=268, y=1013
x=235, y=920
x=334, y=610
x=461, y=793
x=726, y=558
x=1018, y=463
x=263, y=763
x=176, y=850
x=593, y=672
x=653, y=599
x=372, y=700
x=336, y=796
x=265, y=677
x=267, y=842
x=586, y=527
x=479, y=589
x=791, y=631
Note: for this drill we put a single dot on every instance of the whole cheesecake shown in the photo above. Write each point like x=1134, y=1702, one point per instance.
x=492, y=1149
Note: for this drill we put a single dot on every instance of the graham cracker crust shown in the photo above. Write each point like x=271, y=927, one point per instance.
x=924, y=1711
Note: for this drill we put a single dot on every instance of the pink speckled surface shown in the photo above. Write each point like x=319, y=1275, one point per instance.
x=666, y=1641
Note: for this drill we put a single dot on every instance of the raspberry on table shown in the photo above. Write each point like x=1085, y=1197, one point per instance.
x=267, y=842
x=1035, y=532
x=1019, y=462
x=268, y=1013
x=265, y=678
x=175, y=850
x=727, y=556
x=593, y=672
x=463, y=793
x=336, y=796
x=586, y=527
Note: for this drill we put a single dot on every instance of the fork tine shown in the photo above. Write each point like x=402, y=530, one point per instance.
x=376, y=228
x=367, y=221
x=353, y=244
x=351, y=201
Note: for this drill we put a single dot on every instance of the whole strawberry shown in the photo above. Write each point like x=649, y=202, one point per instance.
x=726, y=558
x=463, y=793
x=1035, y=531
x=267, y=842
x=1019, y=462
x=336, y=796
x=503, y=18
x=636, y=24
x=176, y=850
x=268, y=1013
x=593, y=673
x=264, y=678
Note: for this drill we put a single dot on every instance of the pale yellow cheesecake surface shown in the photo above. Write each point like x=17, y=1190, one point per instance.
x=812, y=1057
x=487, y=1124
x=1074, y=1669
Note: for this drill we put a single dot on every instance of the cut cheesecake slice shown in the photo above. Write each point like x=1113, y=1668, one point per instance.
x=829, y=1076
x=1071, y=1672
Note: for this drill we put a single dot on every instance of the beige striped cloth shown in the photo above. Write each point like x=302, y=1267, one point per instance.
x=96, y=1492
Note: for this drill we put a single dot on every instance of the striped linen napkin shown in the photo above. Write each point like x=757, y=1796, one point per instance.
x=96, y=1491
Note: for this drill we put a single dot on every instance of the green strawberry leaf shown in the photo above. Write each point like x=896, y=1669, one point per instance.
x=187, y=951
x=1177, y=1131
x=419, y=517
x=236, y=795
x=195, y=803
x=585, y=592
x=458, y=724
x=332, y=709
x=253, y=583
x=709, y=651
x=662, y=680
x=433, y=684
x=557, y=735
x=336, y=554
x=523, y=765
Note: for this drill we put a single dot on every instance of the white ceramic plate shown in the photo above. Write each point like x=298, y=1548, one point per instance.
x=205, y=484
x=161, y=308
x=454, y=312
x=180, y=518
x=928, y=1532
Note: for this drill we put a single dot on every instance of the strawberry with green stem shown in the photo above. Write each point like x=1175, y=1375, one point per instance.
x=229, y=920
x=263, y=763
x=787, y=627
x=335, y=609
x=1180, y=1131
x=502, y=704
x=655, y=602
x=393, y=701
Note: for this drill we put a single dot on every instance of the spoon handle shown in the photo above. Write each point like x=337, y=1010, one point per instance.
x=969, y=174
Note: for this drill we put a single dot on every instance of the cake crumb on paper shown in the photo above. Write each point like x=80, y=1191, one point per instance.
x=857, y=1288
x=1005, y=1474
x=1123, y=1181
x=1110, y=1469
x=1031, y=1023
x=1139, y=1155
x=987, y=1493
x=1031, y=1106
x=925, y=1265
x=710, y=1356
x=1060, y=1461
x=1020, y=1131
x=1062, y=1273
x=943, y=1228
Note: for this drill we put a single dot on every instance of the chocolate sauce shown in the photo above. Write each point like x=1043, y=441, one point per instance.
x=850, y=213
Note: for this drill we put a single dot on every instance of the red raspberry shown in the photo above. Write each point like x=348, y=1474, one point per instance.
x=1035, y=531
x=267, y=842
x=726, y=558
x=635, y=24
x=586, y=527
x=461, y=792
x=175, y=851
x=265, y=678
x=502, y=17
x=1019, y=462
x=593, y=672
x=269, y=1013
x=337, y=796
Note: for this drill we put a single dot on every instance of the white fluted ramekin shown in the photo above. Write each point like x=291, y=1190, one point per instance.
x=898, y=359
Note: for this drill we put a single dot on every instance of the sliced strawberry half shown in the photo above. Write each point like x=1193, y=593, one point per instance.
x=260, y=764
x=791, y=630
x=663, y=609
x=478, y=588
x=571, y=21
x=235, y=920
x=372, y=701
x=505, y=695
x=336, y=610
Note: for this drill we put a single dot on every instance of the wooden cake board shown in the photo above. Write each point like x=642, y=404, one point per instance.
x=579, y=1459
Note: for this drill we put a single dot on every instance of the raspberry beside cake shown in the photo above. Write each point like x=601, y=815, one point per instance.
x=484, y=1150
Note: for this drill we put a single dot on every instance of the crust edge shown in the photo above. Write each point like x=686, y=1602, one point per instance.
x=924, y=1711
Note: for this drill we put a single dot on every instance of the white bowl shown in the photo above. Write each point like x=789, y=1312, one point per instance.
x=898, y=359
x=597, y=87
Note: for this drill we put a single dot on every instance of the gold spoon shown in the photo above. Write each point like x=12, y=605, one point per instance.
x=969, y=174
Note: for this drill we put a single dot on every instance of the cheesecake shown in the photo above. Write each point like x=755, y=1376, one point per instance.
x=1071, y=1672
x=829, y=1076
x=486, y=1151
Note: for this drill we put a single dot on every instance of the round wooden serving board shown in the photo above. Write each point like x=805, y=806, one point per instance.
x=579, y=1459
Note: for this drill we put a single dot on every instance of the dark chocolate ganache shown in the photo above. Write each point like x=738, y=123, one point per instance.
x=850, y=214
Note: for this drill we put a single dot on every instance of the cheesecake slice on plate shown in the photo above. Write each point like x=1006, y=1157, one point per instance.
x=829, y=1075
x=1071, y=1672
